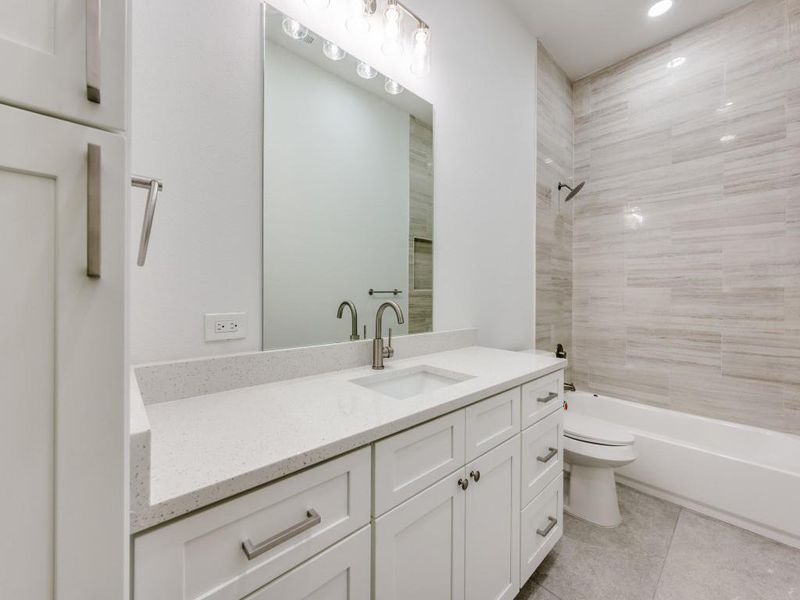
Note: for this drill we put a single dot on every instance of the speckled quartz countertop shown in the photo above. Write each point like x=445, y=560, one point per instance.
x=207, y=448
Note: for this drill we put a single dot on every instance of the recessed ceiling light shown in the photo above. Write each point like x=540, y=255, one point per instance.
x=659, y=8
x=676, y=62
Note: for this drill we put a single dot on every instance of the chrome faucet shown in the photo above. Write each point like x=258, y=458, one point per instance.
x=378, y=351
x=353, y=318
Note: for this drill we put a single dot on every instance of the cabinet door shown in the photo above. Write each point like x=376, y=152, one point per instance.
x=51, y=51
x=492, y=524
x=340, y=573
x=419, y=546
x=62, y=410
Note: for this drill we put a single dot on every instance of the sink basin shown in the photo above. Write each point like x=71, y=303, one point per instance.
x=408, y=383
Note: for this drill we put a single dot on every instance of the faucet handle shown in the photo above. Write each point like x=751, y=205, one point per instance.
x=389, y=351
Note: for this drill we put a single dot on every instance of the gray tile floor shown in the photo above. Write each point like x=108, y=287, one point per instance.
x=664, y=552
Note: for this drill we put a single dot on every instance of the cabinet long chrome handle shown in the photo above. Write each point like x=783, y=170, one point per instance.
x=94, y=225
x=153, y=186
x=254, y=550
x=93, y=51
x=549, y=528
x=550, y=396
x=547, y=457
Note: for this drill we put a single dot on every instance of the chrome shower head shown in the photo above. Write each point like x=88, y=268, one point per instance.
x=572, y=191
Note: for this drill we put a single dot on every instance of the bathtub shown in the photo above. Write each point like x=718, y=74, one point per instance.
x=747, y=476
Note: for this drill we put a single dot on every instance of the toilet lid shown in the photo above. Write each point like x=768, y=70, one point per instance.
x=595, y=431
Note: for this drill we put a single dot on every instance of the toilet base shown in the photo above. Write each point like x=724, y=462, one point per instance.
x=593, y=495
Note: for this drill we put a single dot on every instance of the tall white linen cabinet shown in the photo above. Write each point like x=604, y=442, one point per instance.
x=63, y=415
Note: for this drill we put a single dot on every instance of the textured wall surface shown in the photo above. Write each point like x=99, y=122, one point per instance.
x=554, y=123
x=686, y=289
x=420, y=230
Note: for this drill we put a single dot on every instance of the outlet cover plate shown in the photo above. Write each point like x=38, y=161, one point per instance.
x=225, y=326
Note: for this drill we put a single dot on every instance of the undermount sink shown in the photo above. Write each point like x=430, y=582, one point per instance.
x=411, y=382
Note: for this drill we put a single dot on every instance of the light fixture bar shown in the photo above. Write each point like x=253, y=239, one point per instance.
x=420, y=23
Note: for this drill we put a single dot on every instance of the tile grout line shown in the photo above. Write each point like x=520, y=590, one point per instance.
x=669, y=549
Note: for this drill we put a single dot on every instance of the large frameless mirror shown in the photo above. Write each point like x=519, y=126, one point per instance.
x=348, y=193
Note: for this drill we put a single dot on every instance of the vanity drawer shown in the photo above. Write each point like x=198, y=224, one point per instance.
x=340, y=573
x=413, y=460
x=203, y=555
x=541, y=397
x=492, y=421
x=542, y=454
x=541, y=526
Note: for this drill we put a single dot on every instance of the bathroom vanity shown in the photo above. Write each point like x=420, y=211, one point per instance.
x=439, y=477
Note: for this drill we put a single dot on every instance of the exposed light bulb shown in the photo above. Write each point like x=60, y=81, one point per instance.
x=294, y=29
x=392, y=87
x=365, y=71
x=421, y=61
x=392, y=22
x=676, y=62
x=332, y=51
x=318, y=4
x=358, y=17
x=659, y=8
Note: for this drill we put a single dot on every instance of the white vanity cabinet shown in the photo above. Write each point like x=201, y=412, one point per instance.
x=65, y=58
x=62, y=442
x=492, y=524
x=458, y=538
x=462, y=507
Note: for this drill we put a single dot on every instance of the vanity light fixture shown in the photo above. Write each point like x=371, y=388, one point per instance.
x=421, y=61
x=676, y=62
x=365, y=71
x=359, y=12
x=392, y=25
x=659, y=8
x=294, y=29
x=332, y=51
x=392, y=87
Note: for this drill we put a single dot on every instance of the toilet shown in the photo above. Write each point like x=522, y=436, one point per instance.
x=593, y=448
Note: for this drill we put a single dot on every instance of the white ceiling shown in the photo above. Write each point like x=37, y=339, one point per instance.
x=584, y=36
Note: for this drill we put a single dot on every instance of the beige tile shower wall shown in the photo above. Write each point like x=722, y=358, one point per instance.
x=686, y=289
x=420, y=231
x=553, y=215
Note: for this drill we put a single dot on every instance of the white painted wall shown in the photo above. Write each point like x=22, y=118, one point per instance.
x=336, y=187
x=483, y=88
x=196, y=120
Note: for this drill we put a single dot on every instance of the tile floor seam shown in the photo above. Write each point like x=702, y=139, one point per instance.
x=669, y=549
x=553, y=594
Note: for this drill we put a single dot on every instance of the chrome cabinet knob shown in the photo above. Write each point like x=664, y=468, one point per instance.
x=476, y=475
x=463, y=483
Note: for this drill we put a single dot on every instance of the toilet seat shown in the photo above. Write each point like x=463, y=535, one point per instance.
x=595, y=431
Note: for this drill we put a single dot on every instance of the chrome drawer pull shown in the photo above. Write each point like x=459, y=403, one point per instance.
x=549, y=528
x=253, y=550
x=547, y=457
x=93, y=215
x=93, y=51
x=550, y=396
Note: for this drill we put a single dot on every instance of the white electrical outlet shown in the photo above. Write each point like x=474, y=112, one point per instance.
x=226, y=326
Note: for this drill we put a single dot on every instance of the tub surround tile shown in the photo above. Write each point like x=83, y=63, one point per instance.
x=554, y=216
x=694, y=191
x=715, y=561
